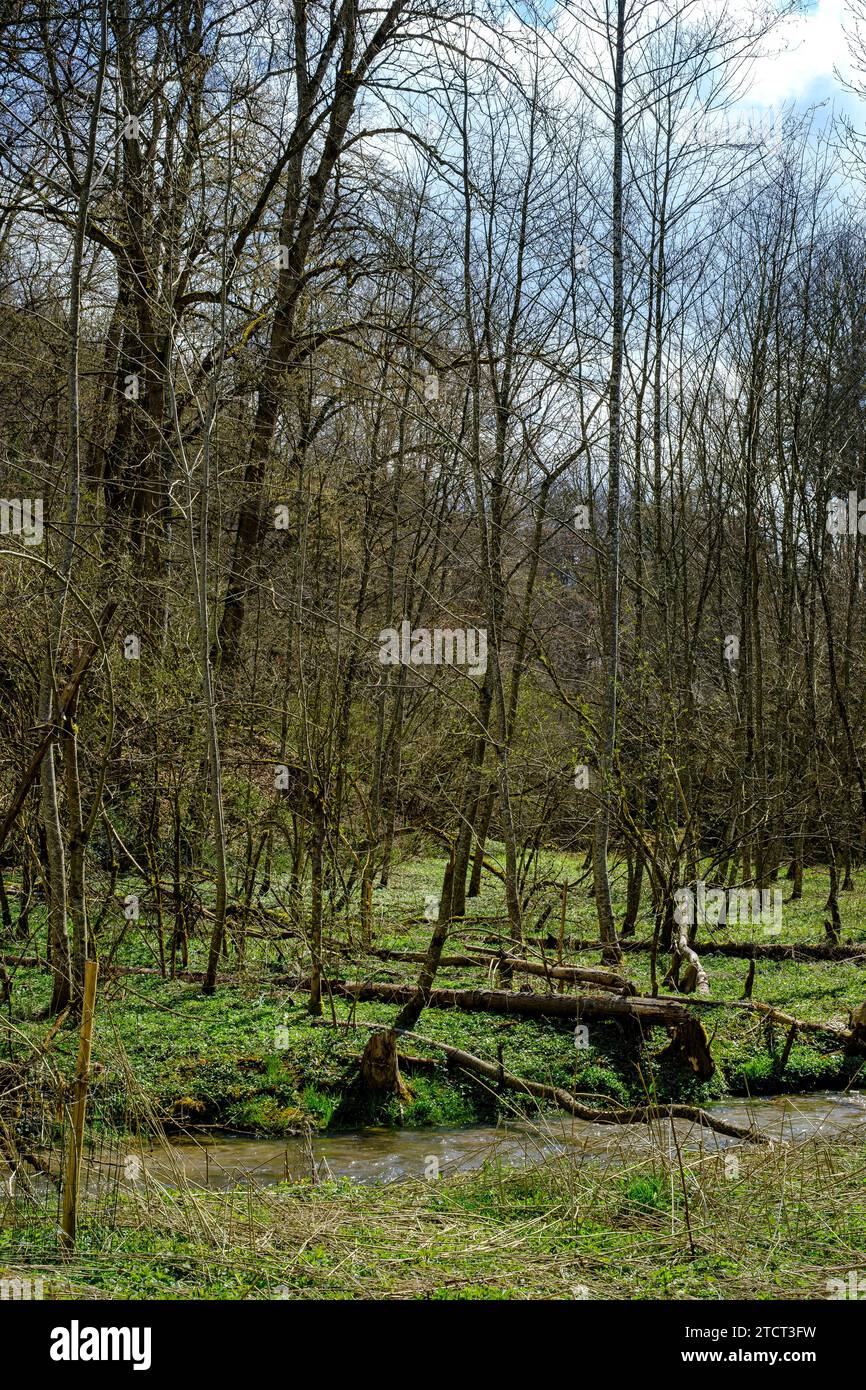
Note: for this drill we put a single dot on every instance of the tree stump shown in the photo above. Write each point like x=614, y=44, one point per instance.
x=689, y=1045
x=380, y=1070
x=857, y=1039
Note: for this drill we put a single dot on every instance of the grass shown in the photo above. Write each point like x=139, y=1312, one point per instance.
x=783, y=1225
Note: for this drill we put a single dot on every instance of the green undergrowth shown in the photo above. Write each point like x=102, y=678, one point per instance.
x=250, y=1059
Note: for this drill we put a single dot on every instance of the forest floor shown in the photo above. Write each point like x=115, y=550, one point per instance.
x=250, y=1059
x=784, y=1222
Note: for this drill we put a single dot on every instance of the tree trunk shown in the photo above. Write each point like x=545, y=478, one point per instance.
x=481, y=832
x=607, y=771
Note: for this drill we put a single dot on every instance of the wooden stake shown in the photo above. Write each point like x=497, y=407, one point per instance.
x=75, y=1142
x=561, y=941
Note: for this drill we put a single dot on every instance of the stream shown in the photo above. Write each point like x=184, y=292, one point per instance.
x=378, y=1155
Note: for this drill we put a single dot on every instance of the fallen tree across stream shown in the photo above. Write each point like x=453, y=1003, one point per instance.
x=617, y=1115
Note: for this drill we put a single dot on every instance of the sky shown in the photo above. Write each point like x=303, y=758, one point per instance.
x=809, y=49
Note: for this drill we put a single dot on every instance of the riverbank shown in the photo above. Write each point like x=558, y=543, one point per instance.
x=779, y=1223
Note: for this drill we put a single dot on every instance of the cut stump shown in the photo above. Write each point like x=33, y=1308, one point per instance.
x=380, y=1068
x=690, y=1046
x=857, y=1037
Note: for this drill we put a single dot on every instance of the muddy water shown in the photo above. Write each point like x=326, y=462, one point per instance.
x=389, y=1155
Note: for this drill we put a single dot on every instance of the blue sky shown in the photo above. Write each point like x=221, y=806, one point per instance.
x=805, y=53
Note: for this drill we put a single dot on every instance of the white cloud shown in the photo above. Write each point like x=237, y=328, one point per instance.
x=802, y=57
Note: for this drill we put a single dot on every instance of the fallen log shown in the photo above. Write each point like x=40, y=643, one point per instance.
x=664, y=1012
x=845, y=1036
x=776, y=950
x=572, y=974
x=641, y=1114
x=689, y=1041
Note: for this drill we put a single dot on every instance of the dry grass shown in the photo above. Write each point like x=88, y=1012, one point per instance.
x=755, y=1224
